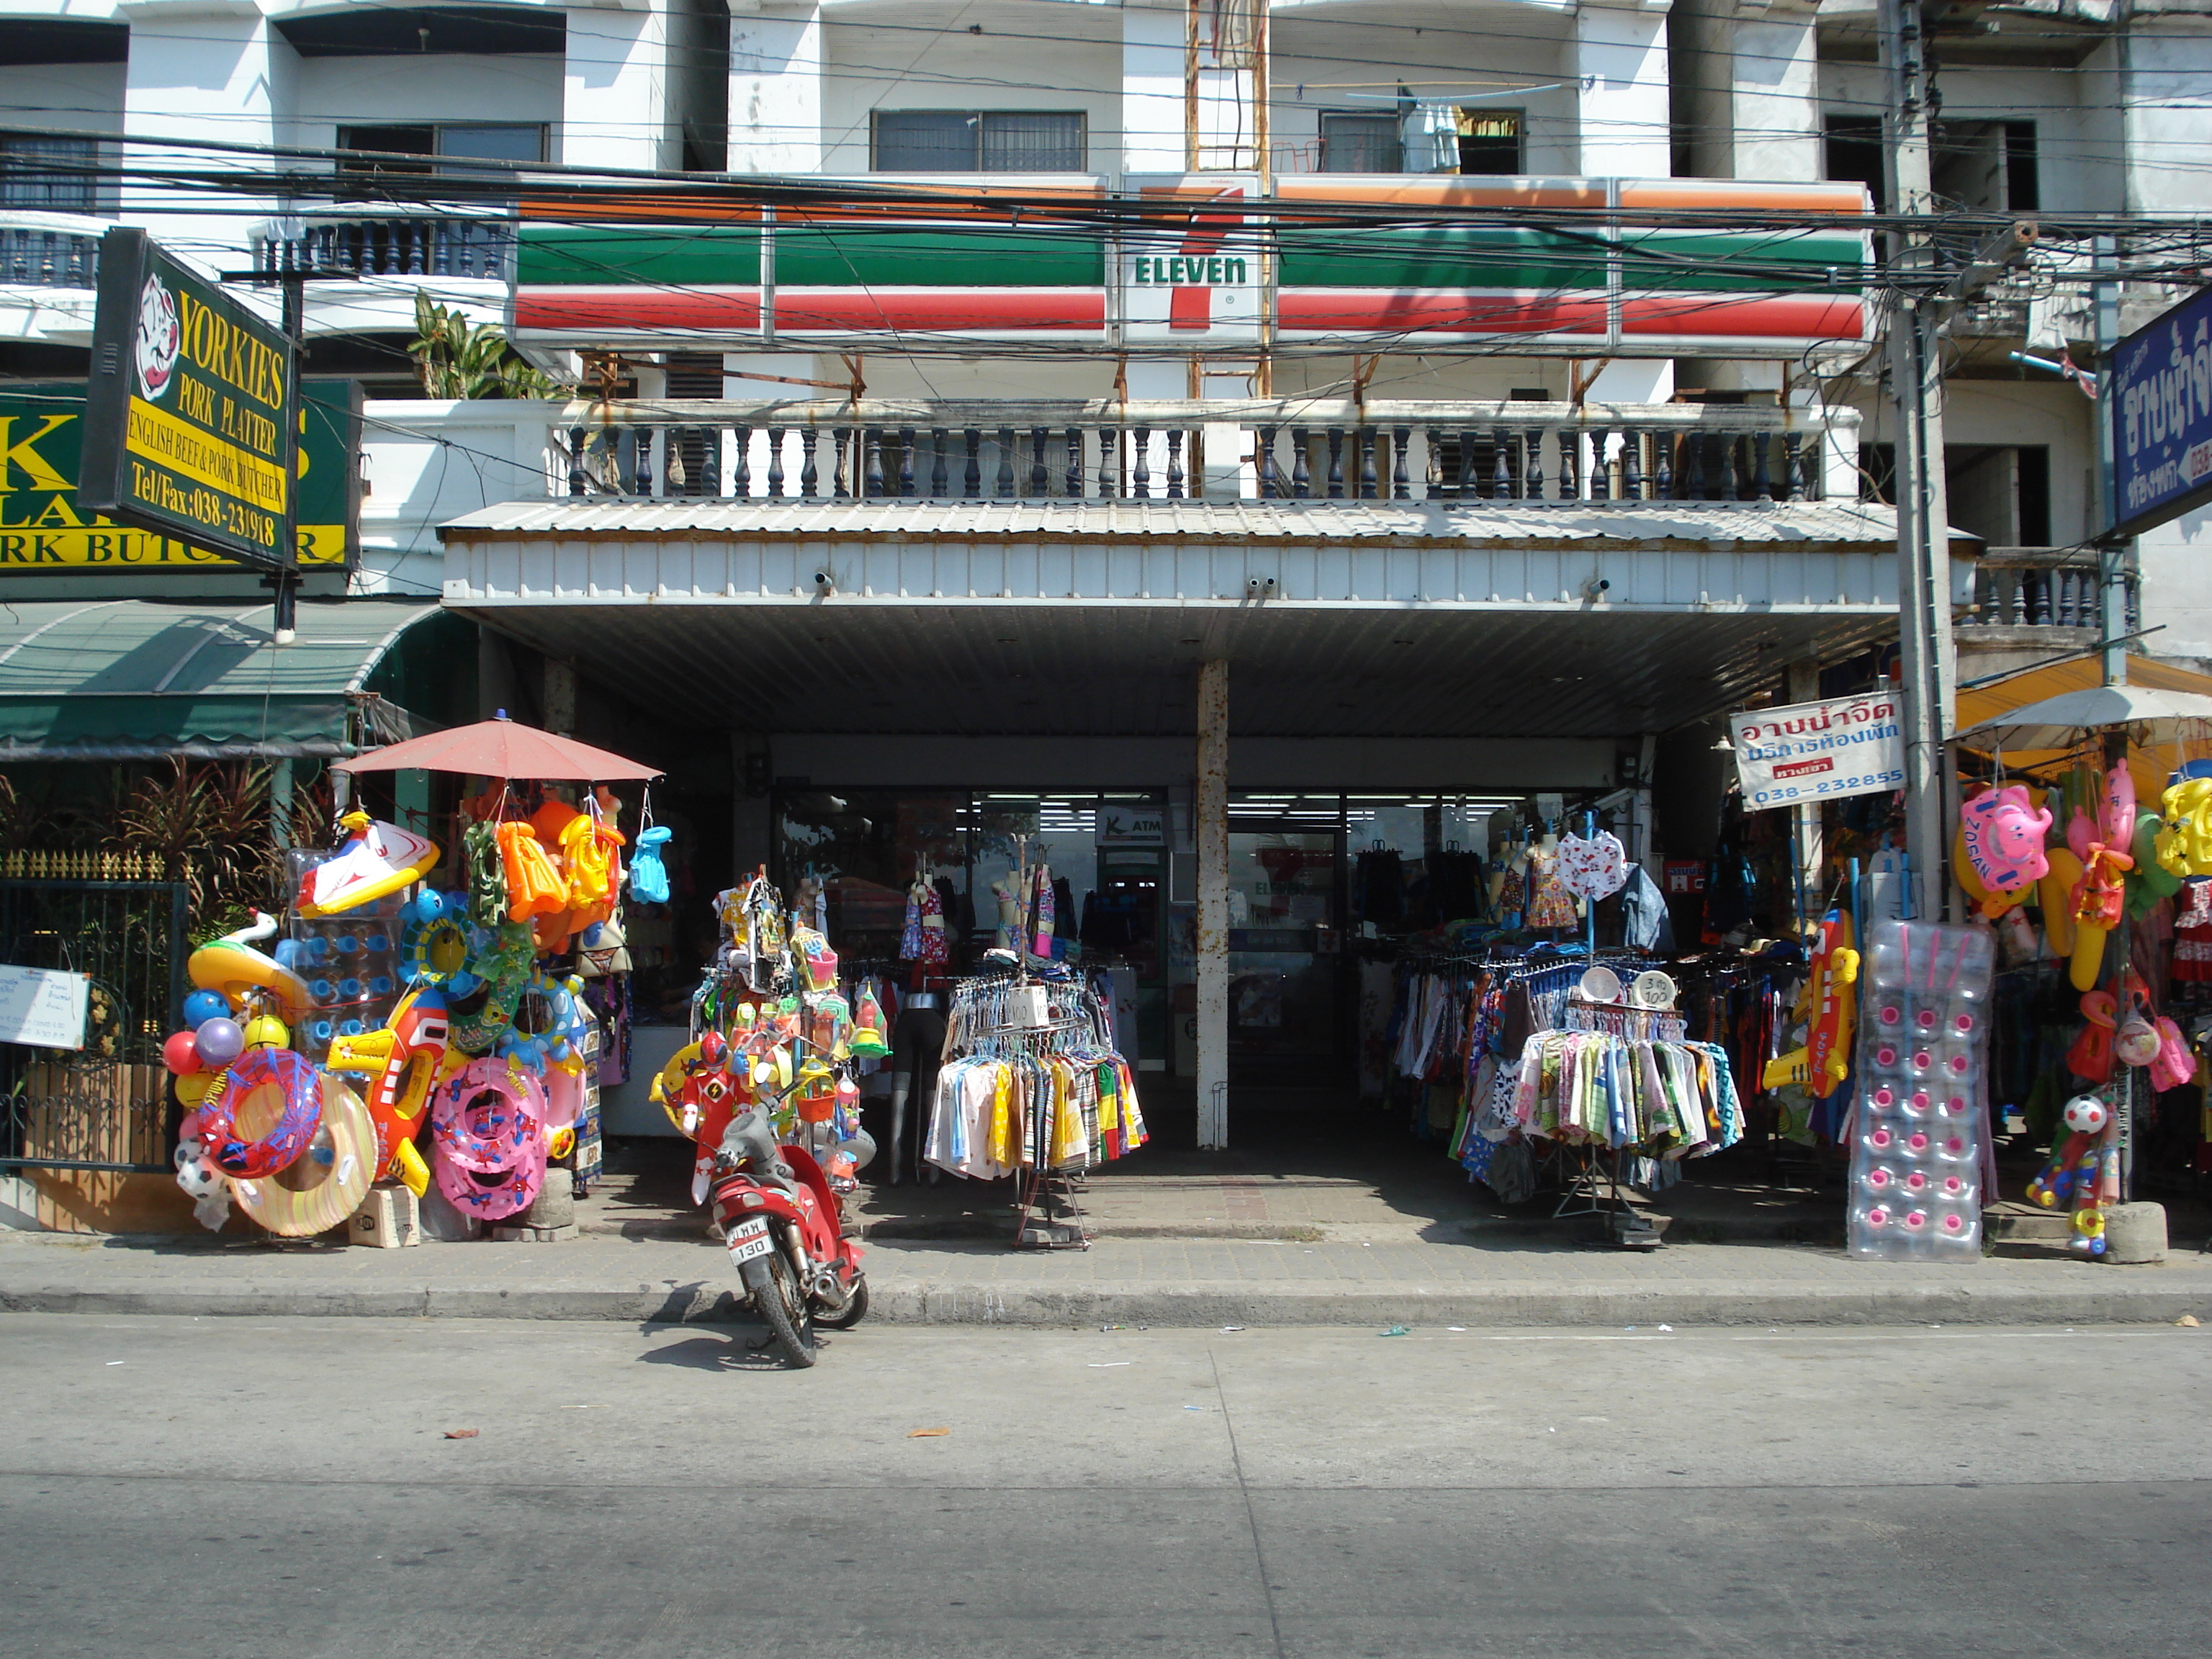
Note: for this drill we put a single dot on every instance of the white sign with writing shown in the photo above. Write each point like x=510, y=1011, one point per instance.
x=43, y=1007
x=1819, y=750
x=1190, y=277
x=1132, y=826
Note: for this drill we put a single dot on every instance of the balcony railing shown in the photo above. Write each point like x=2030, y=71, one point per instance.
x=378, y=244
x=49, y=250
x=2042, y=587
x=1267, y=449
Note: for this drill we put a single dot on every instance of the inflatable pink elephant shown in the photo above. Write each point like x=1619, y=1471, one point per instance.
x=2004, y=839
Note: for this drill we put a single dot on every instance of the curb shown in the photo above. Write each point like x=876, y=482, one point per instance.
x=1188, y=1306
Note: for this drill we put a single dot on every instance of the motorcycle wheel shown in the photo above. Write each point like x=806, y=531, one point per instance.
x=854, y=1311
x=776, y=1303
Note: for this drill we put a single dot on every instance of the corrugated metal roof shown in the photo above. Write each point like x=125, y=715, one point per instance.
x=114, y=678
x=1834, y=524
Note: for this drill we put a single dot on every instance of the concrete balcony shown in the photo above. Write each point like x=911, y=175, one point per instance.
x=1524, y=454
x=373, y=258
x=49, y=268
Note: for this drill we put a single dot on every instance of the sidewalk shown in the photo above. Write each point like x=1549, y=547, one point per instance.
x=1180, y=1282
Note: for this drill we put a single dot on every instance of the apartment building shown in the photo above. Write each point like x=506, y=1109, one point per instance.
x=914, y=498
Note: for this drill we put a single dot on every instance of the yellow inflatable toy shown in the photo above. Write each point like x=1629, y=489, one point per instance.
x=233, y=968
x=374, y=861
x=2055, y=894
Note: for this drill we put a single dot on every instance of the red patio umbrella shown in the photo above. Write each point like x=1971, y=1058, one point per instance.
x=501, y=748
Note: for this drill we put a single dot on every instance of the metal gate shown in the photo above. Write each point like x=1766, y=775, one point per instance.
x=107, y=1107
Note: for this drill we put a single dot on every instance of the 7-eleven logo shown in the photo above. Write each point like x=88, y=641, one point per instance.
x=1197, y=266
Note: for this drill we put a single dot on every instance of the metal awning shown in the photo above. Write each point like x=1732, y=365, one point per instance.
x=142, y=679
x=1087, y=618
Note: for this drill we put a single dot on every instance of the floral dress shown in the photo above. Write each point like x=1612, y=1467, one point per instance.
x=1549, y=906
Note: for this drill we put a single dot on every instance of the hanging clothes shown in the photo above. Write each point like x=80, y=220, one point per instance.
x=1549, y=905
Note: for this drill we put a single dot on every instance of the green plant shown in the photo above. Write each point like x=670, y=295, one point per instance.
x=208, y=824
x=456, y=360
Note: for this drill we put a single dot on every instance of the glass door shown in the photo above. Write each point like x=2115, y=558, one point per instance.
x=1284, y=891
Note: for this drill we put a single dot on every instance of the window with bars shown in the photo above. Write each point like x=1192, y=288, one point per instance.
x=979, y=140
x=41, y=172
x=1360, y=142
x=447, y=148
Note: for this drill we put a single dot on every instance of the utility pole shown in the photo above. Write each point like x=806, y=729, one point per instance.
x=1916, y=374
x=2113, y=558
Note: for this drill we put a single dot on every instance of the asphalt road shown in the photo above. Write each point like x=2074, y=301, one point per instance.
x=286, y=1487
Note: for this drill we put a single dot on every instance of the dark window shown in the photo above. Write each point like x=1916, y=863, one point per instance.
x=46, y=174
x=443, y=149
x=1878, y=472
x=2034, y=479
x=1490, y=141
x=2023, y=179
x=1360, y=144
x=979, y=140
x=1855, y=154
x=405, y=32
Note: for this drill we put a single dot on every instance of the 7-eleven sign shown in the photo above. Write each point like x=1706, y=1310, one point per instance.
x=1194, y=280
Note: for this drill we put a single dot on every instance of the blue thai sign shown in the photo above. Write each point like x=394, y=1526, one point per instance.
x=2158, y=399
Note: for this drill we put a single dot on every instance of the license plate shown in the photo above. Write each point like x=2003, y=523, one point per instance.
x=748, y=1242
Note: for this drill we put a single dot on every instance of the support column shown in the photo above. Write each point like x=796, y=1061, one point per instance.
x=1155, y=124
x=1211, y=827
x=220, y=70
x=1622, y=113
x=280, y=805
x=614, y=97
x=1804, y=686
x=775, y=93
x=1775, y=95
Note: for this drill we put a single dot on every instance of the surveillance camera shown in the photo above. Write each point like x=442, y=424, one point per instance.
x=824, y=581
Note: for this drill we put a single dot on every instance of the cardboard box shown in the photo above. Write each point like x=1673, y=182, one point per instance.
x=389, y=1219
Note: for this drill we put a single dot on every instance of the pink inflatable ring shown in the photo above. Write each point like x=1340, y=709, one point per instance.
x=488, y=1128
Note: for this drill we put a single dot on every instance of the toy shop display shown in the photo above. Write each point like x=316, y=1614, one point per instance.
x=1918, y=1167
x=313, y=1069
x=773, y=1032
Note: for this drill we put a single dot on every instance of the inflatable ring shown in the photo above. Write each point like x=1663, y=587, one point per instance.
x=548, y=1028
x=235, y=969
x=488, y=1125
x=321, y=1189
x=246, y=1083
x=564, y=1094
x=499, y=959
x=432, y=952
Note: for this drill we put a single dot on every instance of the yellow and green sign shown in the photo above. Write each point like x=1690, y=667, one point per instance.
x=189, y=426
x=43, y=528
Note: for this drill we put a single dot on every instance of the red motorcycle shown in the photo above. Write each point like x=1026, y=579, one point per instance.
x=784, y=1229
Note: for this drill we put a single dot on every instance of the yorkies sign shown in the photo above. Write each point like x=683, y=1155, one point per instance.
x=44, y=530
x=1819, y=750
x=189, y=427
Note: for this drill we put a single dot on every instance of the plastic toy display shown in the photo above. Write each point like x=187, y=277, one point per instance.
x=312, y=1070
x=1916, y=1158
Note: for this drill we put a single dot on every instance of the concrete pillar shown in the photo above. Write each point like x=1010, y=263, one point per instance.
x=1211, y=815
x=224, y=72
x=1804, y=686
x=776, y=91
x=614, y=96
x=1154, y=122
x=1776, y=97
x=280, y=804
x=1621, y=110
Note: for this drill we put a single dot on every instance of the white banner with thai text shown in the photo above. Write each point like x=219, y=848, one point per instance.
x=43, y=1007
x=1819, y=750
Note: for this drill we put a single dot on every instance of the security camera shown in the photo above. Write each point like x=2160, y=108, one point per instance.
x=825, y=582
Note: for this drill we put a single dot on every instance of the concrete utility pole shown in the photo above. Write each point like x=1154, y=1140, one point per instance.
x=1916, y=371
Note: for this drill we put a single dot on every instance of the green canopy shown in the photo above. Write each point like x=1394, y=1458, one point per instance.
x=142, y=679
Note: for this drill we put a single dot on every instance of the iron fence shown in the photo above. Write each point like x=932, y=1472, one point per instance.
x=104, y=1107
